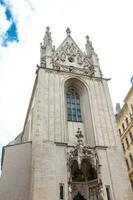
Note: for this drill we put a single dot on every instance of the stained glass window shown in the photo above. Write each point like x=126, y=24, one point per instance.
x=73, y=106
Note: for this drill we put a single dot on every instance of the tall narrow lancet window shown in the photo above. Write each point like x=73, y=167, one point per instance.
x=73, y=105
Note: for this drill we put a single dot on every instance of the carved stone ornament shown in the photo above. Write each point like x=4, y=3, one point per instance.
x=73, y=50
x=63, y=56
x=89, y=47
x=81, y=151
x=89, y=71
x=47, y=38
x=70, y=49
x=69, y=58
x=79, y=58
x=43, y=62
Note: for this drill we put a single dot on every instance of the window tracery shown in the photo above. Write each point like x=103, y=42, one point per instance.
x=73, y=105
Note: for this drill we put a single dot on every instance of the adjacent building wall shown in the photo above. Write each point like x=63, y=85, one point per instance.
x=124, y=119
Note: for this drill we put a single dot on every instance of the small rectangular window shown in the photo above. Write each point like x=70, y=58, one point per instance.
x=131, y=137
x=61, y=191
x=120, y=131
x=131, y=159
x=132, y=183
x=132, y=107
x=127, y=164
x=108, y=192
x=123, y=147
x=127, y=122
x=127, y=142
x=123, y=126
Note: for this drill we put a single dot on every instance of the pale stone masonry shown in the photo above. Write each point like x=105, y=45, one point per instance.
x=124, y=120
x=69, y=148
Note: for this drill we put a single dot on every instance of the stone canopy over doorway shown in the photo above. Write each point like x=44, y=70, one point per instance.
x=84, y=172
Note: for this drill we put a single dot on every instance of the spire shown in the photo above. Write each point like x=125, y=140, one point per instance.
x=89, y=47
x=68, y=31
x=46, y=49
x=47, y=40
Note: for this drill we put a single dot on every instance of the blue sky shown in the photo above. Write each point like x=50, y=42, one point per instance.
x=11, y=33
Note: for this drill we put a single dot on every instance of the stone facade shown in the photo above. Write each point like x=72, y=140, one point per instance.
x=70, y=100
x=124, y=119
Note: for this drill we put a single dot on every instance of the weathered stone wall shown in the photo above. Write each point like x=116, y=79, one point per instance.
x=16, y=171
x=50, y=170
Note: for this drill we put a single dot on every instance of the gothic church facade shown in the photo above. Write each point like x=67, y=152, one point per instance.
x=69, y=148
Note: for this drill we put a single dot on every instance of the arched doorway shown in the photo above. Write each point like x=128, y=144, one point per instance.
x=84, y=181
x=79, y=197
x=84, y=172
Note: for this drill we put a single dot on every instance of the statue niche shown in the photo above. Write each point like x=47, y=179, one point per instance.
x=86, y=173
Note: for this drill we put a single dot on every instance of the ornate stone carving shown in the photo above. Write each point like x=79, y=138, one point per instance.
x=72, y=50
x=69, y=58
x=47, y=38
x=79, y=58
x=63, y=56
x=89, y=47
x=43, y=62
x=67, y=48
x=86, y=70
x=80, y=152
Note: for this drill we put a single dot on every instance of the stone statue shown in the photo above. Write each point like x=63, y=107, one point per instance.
x=47, y=38
x=89, y=47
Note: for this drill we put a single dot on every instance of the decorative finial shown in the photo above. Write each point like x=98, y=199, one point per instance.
x=89, y=47
x=47, y=28
x=87, y=38
x=88, y=41
x=79, y=137
x=47, y=38
x=68, y=31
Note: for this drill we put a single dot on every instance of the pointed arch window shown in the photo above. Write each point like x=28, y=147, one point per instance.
x=73, y=105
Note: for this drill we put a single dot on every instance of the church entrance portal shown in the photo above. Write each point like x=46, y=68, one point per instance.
x=84, y=181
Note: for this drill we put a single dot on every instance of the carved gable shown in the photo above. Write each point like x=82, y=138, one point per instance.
x=69, y=53
x=68, y=56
